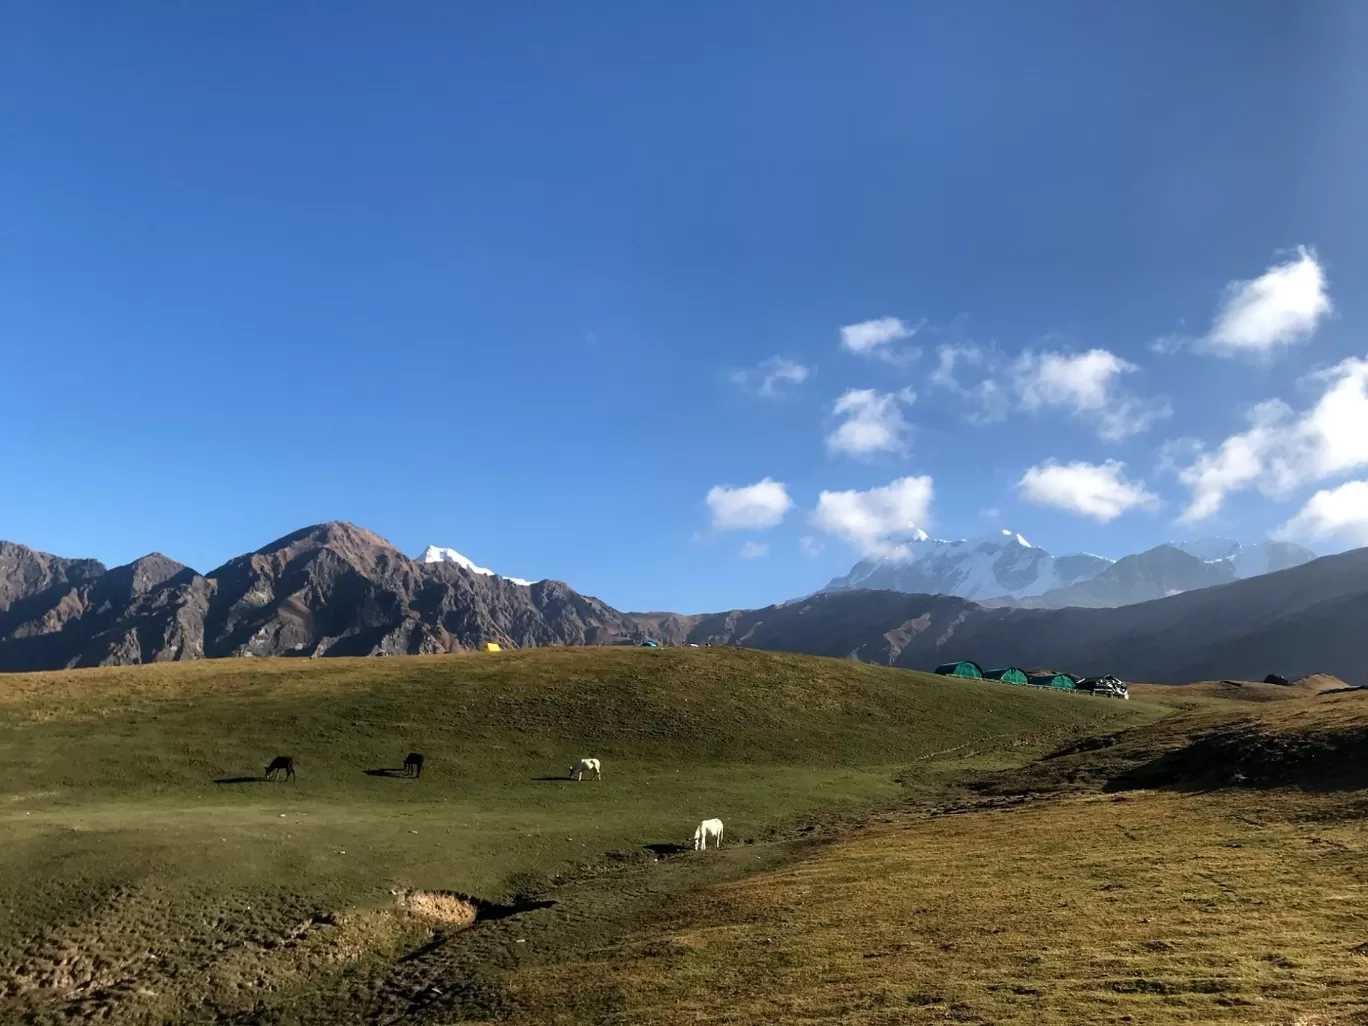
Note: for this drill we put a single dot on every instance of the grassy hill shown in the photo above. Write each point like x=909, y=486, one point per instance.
x=147, y=873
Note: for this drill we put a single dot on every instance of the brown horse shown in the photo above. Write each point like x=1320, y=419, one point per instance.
x=413, y=765
x=281, y=764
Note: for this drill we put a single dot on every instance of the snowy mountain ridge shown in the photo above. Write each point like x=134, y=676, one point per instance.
x=1246, y=560
x=1001, y=564
x=437, y=554
x=1005, y=566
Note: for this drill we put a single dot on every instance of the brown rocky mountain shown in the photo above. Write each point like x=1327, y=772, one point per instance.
x=25, y=573
x=332, y=589
x=336, y=589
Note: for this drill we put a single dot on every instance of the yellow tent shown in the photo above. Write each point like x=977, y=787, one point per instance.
x=492, y=647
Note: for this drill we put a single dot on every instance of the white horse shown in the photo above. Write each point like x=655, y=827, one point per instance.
x=579, y=769
x=708, y=828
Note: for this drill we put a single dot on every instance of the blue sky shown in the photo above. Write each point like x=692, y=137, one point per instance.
x=513, y=280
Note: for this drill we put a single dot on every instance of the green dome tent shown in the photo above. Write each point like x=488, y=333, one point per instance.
x=1054, y=680
x=1010, y=674
x=963, y=668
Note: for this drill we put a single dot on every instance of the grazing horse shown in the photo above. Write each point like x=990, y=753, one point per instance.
x=281, y=764
x=579, y=769
x=708, y=828
x=413, y=765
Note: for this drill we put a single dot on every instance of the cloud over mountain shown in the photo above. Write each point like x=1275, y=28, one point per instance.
x=755, y=506
x=1099, y=491
x=875, y=521
x=1282, y=449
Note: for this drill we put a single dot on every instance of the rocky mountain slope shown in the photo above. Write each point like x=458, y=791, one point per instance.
x=1298, y=621
x=332, y=589
x=1005, y=569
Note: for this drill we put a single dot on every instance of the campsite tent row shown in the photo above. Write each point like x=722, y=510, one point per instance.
x=1011, y=674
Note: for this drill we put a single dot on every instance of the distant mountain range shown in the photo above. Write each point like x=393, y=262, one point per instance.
x=1294, y=622
x=333, y=589
x=336, y=589
x=1006, y=569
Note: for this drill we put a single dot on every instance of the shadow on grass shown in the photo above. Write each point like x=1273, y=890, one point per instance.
x=240, y=780
x=484, y=912
x=550, y=780
x=427, y=949
x=386, y=773
x=666, y=848
x=1237, y=756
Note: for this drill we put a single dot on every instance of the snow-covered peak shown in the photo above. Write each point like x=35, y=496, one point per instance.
x=1209, y=549
x=1005, y=537
x=436, y=554
x=1247, y=560
x=1001, y=563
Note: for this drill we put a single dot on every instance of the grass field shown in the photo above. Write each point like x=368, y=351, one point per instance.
x=1206, y=868
x=146, y=875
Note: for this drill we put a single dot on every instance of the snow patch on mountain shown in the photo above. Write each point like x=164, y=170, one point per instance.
x=436, y=554
x=1252, y=560
x=1001, y=564
x=1005, y=566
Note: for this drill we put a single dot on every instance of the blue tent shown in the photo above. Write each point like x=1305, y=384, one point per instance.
x=963, y=668
x=1011, y=674
x=1053, y=680
x=649, y=644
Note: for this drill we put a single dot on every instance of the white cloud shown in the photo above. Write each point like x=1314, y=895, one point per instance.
x=1081, y=381
x=1280, y=307
x=1127, y=416
x=1338, y=514
x=769, y=377
x=871, y=338
x=873, y=422
x=950, y=358
x=1097, y=490
x=875, y=521
x=756, y=506
x=810, y=546
x=753, y=550
x=1084, y=384
x=1282, y=450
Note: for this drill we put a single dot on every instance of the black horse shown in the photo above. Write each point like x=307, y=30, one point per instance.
x=281, y=764
x=413, y=765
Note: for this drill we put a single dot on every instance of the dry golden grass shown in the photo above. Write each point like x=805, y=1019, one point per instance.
x=1152, y=906
x=1202, y=692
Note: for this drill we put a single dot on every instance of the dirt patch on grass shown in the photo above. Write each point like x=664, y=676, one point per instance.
x=444, y=907
x=452, y=908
